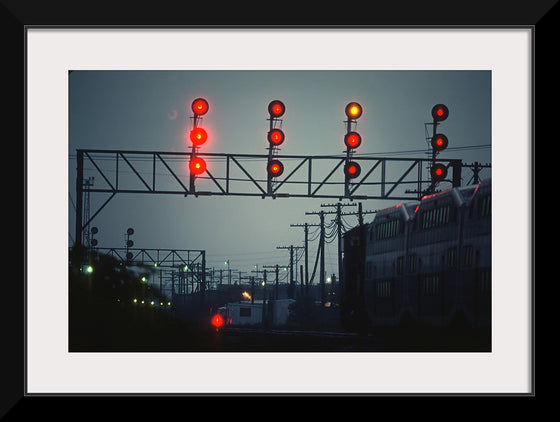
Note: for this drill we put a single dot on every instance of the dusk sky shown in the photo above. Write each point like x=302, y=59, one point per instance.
x=150, y=110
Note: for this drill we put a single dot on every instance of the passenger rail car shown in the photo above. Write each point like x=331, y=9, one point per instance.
x=427, y=261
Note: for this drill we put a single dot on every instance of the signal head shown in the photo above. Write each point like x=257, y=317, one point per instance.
x=438, y=172
x=200, y=106
x=197, y=166
x=352, y=169
x=275, y=168
x=352, y=139
x=353, y=110
x=217, y=321
x=276, y=108
x=440, y=112
x=275, y=137
x=439, y=142
x=198, y=136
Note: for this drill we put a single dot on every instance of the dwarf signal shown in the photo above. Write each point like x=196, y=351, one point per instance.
x=217, y=321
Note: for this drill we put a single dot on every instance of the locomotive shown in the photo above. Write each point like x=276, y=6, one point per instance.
x=427, y=262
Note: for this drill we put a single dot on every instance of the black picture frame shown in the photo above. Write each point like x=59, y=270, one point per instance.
x=18, y=16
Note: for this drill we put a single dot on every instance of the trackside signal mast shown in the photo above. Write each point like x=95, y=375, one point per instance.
x=352, y=140
x=198, y=136
x=275, y=137
x=439, y=142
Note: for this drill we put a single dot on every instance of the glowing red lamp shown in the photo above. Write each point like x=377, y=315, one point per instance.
x=352, y=139
x=439, y=142
x=352, y=169
x=197, y=166
x=276, y=108
x=198, y=136
x=438, y=172
x=440, y=112
x=217, y=321
x=200, y=106
x=275, y=168
x=275, y=137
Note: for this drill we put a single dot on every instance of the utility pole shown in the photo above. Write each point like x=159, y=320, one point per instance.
x=322, y=275
x=339, y=215
x=276, y=267
x=306, y=232
x=321, y=252
x=339, y=206
x=291, y=289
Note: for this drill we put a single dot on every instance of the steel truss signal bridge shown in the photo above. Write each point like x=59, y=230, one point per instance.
x=157, y=172
x=187, y=266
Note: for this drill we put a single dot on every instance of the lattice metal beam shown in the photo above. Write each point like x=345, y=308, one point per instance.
x=158, y=172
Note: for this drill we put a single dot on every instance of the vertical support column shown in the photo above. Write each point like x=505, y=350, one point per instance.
x=383, y=170
x=276, y=287
x=292, y=284
x=306, y=230
x=340, y=245
x=79, y=197
x=203, y=283
x=322, y=262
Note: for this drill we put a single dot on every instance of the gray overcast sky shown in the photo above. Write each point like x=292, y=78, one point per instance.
x=150, y=110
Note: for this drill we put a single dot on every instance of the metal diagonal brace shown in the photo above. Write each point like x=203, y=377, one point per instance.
x=290, y=175
x=329, y=175
x=172, y=173
x=357, y=185
x=248, y=175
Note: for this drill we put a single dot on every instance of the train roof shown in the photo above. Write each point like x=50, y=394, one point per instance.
x=460, y=196
x=404, y=210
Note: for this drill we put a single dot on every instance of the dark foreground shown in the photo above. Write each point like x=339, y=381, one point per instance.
x=112, y=310
x=146, y=330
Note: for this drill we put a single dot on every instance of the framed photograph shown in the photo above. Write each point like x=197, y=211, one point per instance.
x=99, y=97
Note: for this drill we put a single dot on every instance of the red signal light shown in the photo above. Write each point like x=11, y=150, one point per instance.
x=353, y=110
x=275, y=168
x=198, y=136
x=276, y=108
x=199, y=106
x=197, y=166
x=439, y=142
x=352, y=169
x=352, y=139
x=275, y=137
x=440, y=112
x=438, y=172
x=217, y=321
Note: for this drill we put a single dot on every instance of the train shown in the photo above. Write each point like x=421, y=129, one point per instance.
x=424, y=262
